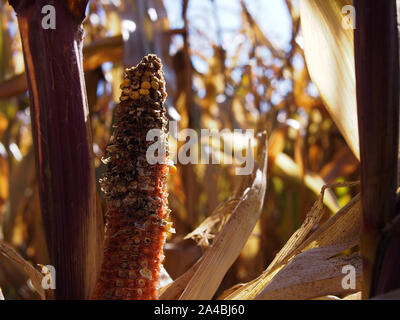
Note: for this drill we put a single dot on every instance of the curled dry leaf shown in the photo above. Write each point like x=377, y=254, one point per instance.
x=354, y=296
x=327, y=298
x=213, y=224
x=287, y=168
x=173, y=290
x=342, y=228
x=233, y=236
x=313, y=273
x=35, y=276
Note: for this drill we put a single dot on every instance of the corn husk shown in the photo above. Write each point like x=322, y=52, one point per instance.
x=34, y=275
x=233, y=236
x=341, y=229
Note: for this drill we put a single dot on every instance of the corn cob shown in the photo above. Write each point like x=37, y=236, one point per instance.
x=136, y=192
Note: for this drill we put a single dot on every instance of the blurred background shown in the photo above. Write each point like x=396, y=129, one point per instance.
x=229, y=64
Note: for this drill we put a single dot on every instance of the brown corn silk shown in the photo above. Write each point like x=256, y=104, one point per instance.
x=135, y=190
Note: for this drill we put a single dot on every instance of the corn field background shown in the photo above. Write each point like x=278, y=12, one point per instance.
x=284, y=232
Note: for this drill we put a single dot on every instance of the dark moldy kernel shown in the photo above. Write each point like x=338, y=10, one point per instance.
x=136, y=192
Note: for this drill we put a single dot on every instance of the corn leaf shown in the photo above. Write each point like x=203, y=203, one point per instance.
x=342, y=228
x=329, y=53
x=313, y=273
x=229, y=242
x=35, y=276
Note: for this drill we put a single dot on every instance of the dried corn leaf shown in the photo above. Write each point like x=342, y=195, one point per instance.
x=35, y=276
x=213, y=224
x=229, y=242
x=354, y=296
x=250, y=290
x=327, y=298
x=343, y=227
x=1, y=295
x=174, y=289
x=313, y=274
x=312, y=219
x=329, y=53
x=343, y=164
x=287, y=168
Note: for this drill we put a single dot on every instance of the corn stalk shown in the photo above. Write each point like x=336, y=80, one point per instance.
x=62, y=140
x=377, y=84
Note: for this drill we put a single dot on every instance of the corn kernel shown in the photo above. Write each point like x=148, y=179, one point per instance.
x=144, y=92
x=141, y=282
x=123, y=98
x=146, y=273
x=146, y=85
x=126, y=91
x=134, y=95
x=126, y=82
x=155, y=85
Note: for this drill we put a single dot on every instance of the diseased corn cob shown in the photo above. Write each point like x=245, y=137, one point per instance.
x=135, y=190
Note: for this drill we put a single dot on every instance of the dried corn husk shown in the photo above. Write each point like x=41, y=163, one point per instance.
x=342, y=228
x=35, y=276
x=233, y=236
x=313, y=273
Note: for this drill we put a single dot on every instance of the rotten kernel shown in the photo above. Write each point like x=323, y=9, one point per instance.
x=144, y=92
x=122, y=273
x=118, y=292
x=155, y=85
x=126, y=91
x=141, y=282
x=119, y=283
x=146, y=85
x=134, y=95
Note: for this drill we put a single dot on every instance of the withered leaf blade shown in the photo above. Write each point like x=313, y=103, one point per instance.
x=229, y=242
x=342, y=228
x=35, y=276
x=312, y=274
x=329, y=53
